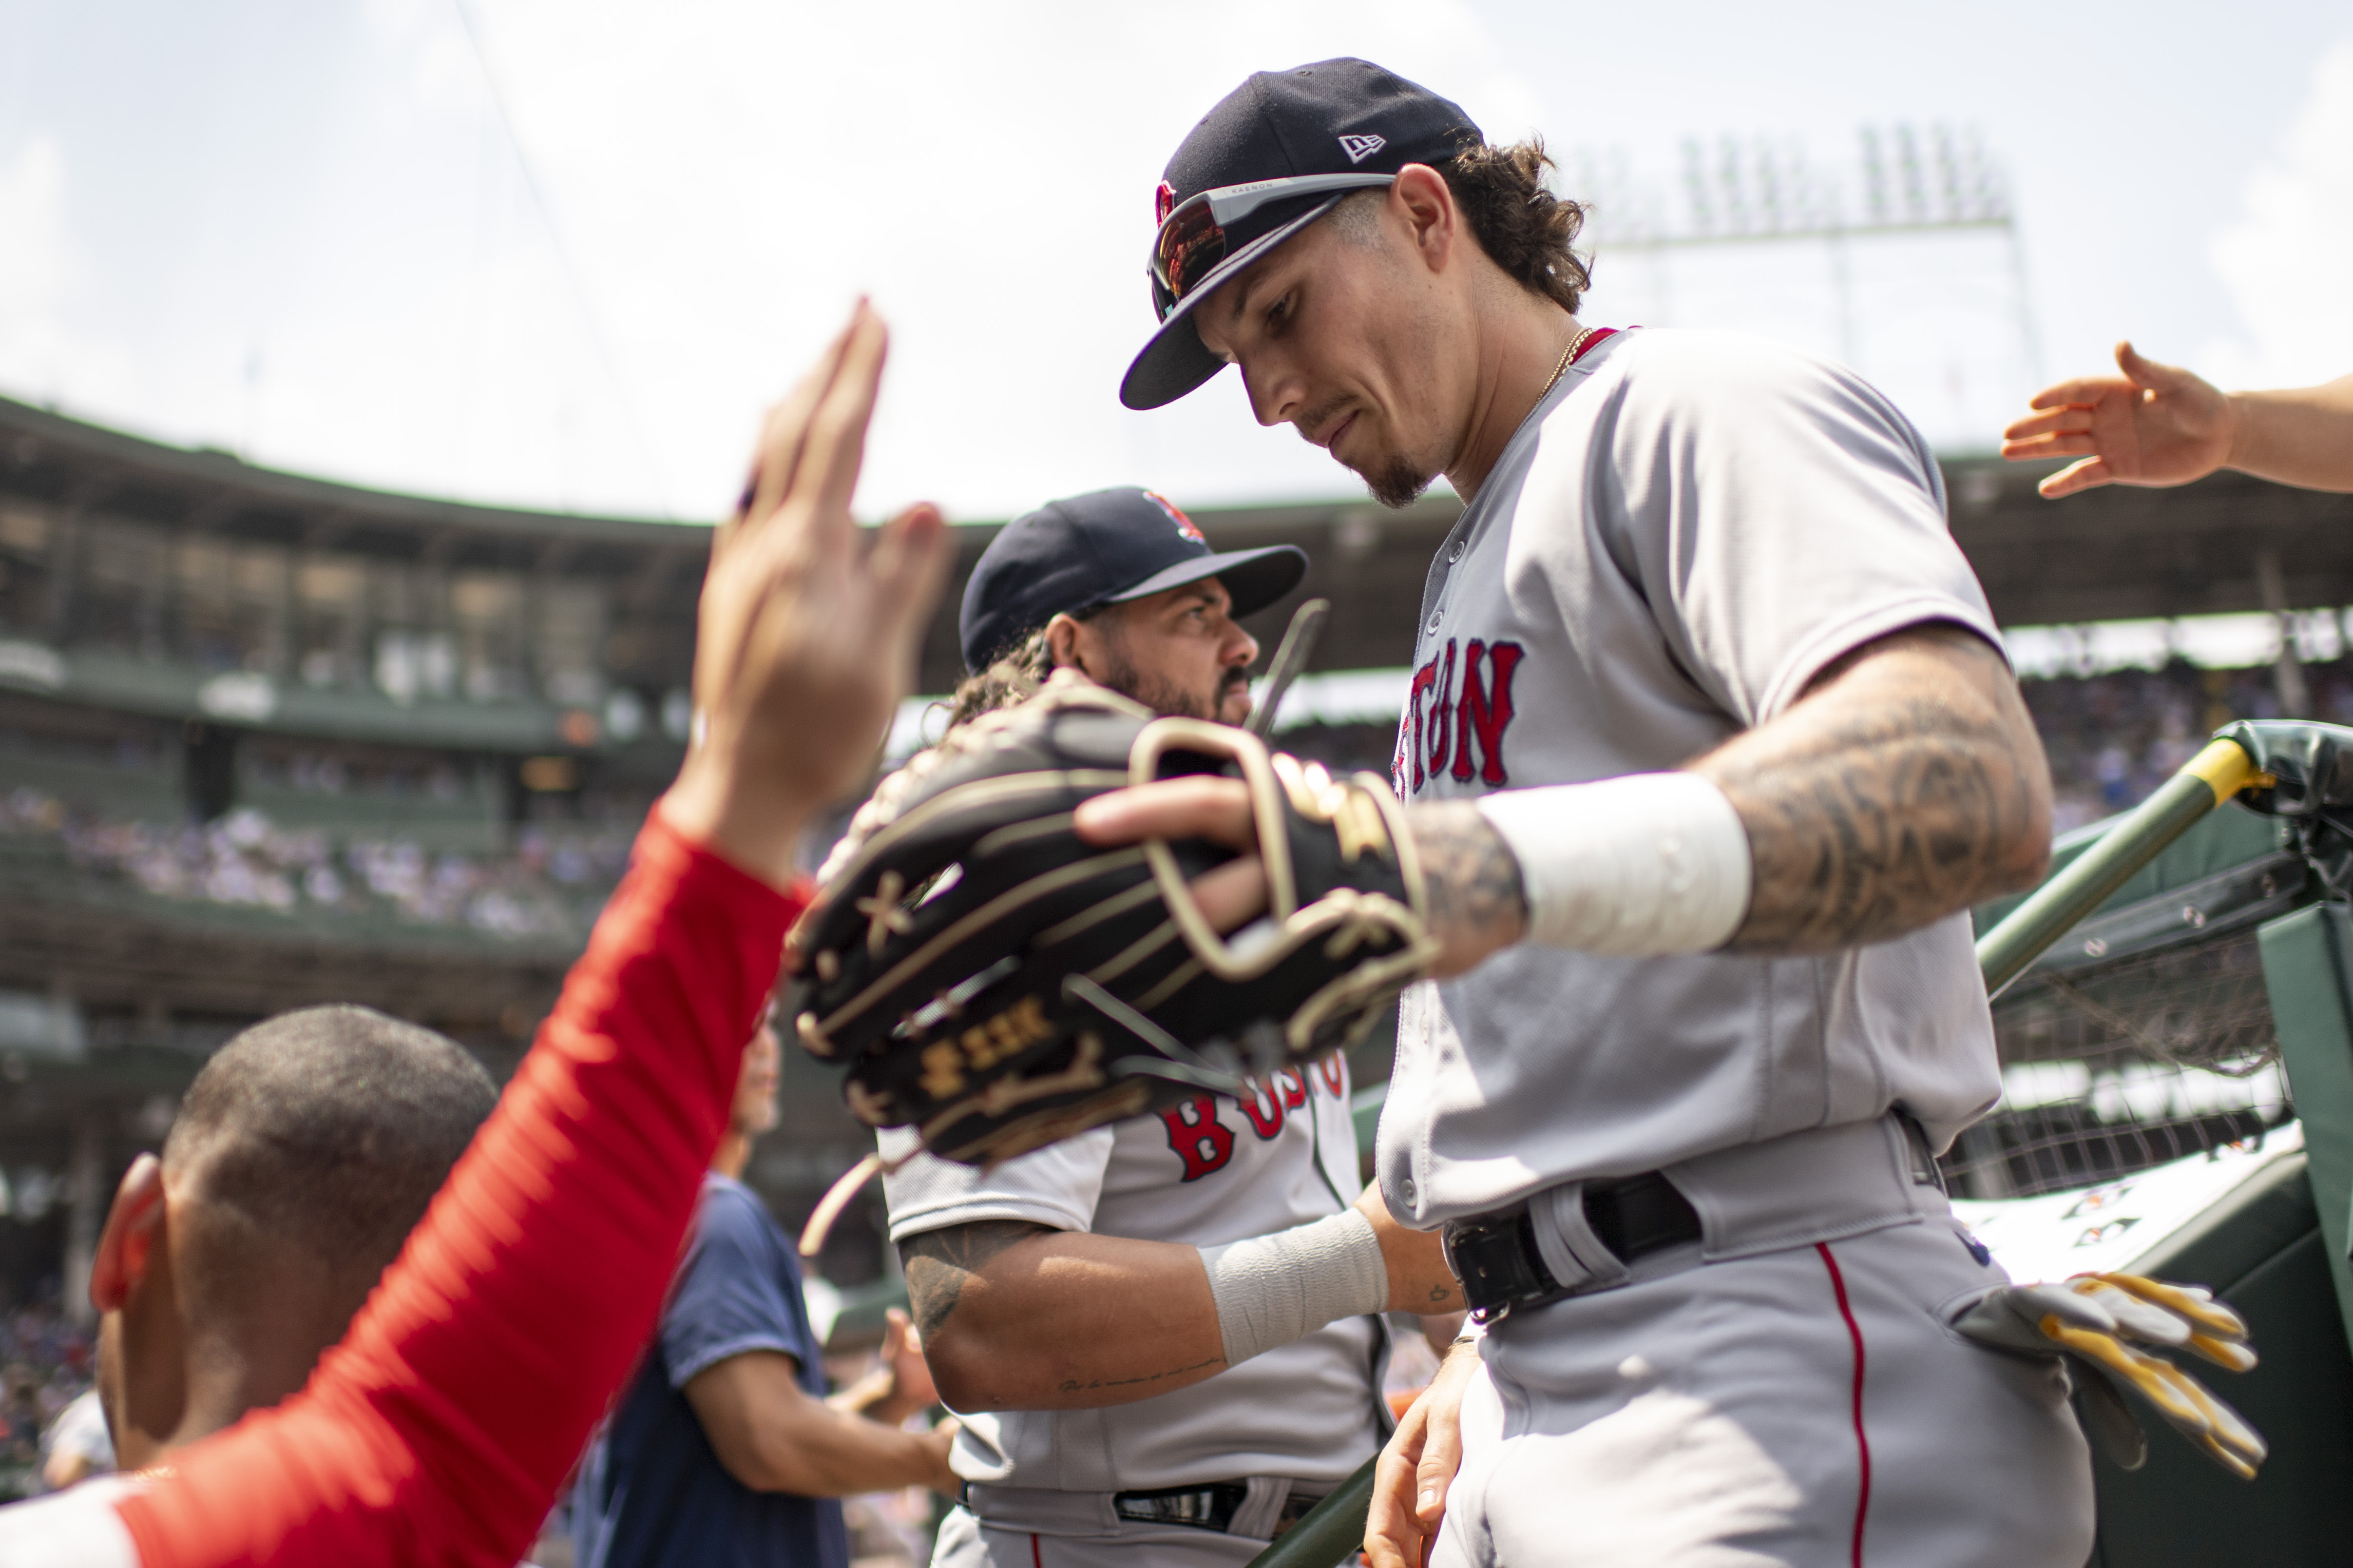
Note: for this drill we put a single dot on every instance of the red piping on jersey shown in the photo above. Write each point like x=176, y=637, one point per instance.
x=1593, y=342
x=1862, y=1441
x=1037, y=1558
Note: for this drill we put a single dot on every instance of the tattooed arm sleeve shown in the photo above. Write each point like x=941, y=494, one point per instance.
x=1907, y=784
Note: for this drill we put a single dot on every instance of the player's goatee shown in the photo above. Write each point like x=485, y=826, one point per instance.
x=1397, y=483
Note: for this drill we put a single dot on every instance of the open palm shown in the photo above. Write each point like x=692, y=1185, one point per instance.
x=2155, y=424
x=808, y=630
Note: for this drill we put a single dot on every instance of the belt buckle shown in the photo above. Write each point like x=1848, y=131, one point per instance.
x=1495, y=1259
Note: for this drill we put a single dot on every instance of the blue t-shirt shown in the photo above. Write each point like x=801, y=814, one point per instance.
x=651, y=1491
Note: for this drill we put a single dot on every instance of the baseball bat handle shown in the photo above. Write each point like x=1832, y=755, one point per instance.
x=1298, y=644
x=2211, y=777
x=1331, y=1532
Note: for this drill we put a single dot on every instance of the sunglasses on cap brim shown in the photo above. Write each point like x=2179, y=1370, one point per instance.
x=1193, y=235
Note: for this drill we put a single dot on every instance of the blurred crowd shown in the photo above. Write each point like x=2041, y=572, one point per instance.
x=551, y=884
x=45, y=1364
x=2113, y=739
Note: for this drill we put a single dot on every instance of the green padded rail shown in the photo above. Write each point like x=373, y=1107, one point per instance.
x=2304, y=970
x=2260, y=1249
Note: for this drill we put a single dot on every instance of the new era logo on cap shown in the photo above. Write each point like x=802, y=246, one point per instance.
x=1308, y=125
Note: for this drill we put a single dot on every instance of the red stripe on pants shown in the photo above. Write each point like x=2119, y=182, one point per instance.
x=1862, y=1439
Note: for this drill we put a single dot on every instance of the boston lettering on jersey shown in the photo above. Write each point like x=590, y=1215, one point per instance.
x=1205, y=1144
x=1454, y=723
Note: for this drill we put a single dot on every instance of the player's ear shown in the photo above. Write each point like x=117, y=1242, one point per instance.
x=1421, y=197
x=127, y=1243
x=1063, y=644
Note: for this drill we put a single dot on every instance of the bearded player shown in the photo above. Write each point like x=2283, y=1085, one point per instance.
x=1087, y=1308
x=1677, y=1130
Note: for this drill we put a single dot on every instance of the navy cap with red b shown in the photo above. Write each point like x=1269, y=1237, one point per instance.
x=1103, y=548
x=1278, y=152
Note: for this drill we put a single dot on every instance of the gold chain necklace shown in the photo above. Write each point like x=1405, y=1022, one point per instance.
x=1567, y=358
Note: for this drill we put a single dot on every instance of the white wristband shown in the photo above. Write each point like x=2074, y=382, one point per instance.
x=1272, y=1290
x=1635, y=866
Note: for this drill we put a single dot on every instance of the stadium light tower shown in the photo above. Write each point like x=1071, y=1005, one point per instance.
x=1759, y=192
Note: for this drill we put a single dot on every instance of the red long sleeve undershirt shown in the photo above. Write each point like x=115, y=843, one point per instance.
x=438, y=1430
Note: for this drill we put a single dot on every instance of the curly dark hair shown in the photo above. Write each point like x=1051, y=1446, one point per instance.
x=1014, y=677
x=1525, y=229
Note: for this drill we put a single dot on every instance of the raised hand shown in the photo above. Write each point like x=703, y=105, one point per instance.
x=807, y=634
x=2155, y=424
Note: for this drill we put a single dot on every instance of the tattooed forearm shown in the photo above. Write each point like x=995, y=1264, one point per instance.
x=1907, y=784
x=1098, y=1384
x=1018, y=1316
x=939, y=1264
x=1476, y=903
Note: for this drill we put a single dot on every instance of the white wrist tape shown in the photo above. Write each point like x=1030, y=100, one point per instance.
x=1636, y=867
x=1272, y=1290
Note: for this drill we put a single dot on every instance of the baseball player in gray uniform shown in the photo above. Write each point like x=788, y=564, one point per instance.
x=1715, y=746
x=1067, y=1300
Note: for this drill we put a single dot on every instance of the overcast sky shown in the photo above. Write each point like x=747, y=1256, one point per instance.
x=563, y=255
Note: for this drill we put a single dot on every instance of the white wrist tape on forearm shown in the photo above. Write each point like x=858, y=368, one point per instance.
x=1272, y=1290
x=1636, y=867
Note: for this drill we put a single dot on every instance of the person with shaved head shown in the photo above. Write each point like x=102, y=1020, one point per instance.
x=306, y=1150
x=439, y=1426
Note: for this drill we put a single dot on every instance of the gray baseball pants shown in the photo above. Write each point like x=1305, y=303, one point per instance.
x=1808, y=1407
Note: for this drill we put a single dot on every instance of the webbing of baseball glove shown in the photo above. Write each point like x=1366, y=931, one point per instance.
x=991, y=980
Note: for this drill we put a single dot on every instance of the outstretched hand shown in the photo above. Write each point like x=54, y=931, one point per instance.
x=2155, y=424
x=807, y=635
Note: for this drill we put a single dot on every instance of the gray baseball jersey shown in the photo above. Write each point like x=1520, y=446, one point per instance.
x=1208, y=1171
x=1688, y=530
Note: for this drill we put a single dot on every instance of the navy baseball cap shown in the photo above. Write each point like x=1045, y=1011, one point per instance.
x=1103, y=548
x=1275, y=155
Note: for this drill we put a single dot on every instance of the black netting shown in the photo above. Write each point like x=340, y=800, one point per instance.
x=2111, y=1068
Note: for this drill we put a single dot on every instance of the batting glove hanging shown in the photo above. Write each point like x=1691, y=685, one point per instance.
x=2093, y=1319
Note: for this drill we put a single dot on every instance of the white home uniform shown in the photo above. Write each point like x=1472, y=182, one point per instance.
x=1044, y=1487
x=1688, y=530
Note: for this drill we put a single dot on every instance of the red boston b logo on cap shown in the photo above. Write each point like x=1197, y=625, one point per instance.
x=1164, y=202
x=1185, y=525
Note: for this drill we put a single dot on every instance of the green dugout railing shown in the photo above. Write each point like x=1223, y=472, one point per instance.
x=2300, y=772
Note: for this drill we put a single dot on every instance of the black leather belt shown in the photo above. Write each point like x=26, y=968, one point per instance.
x=1496, y=1258
x=1211, y=1506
